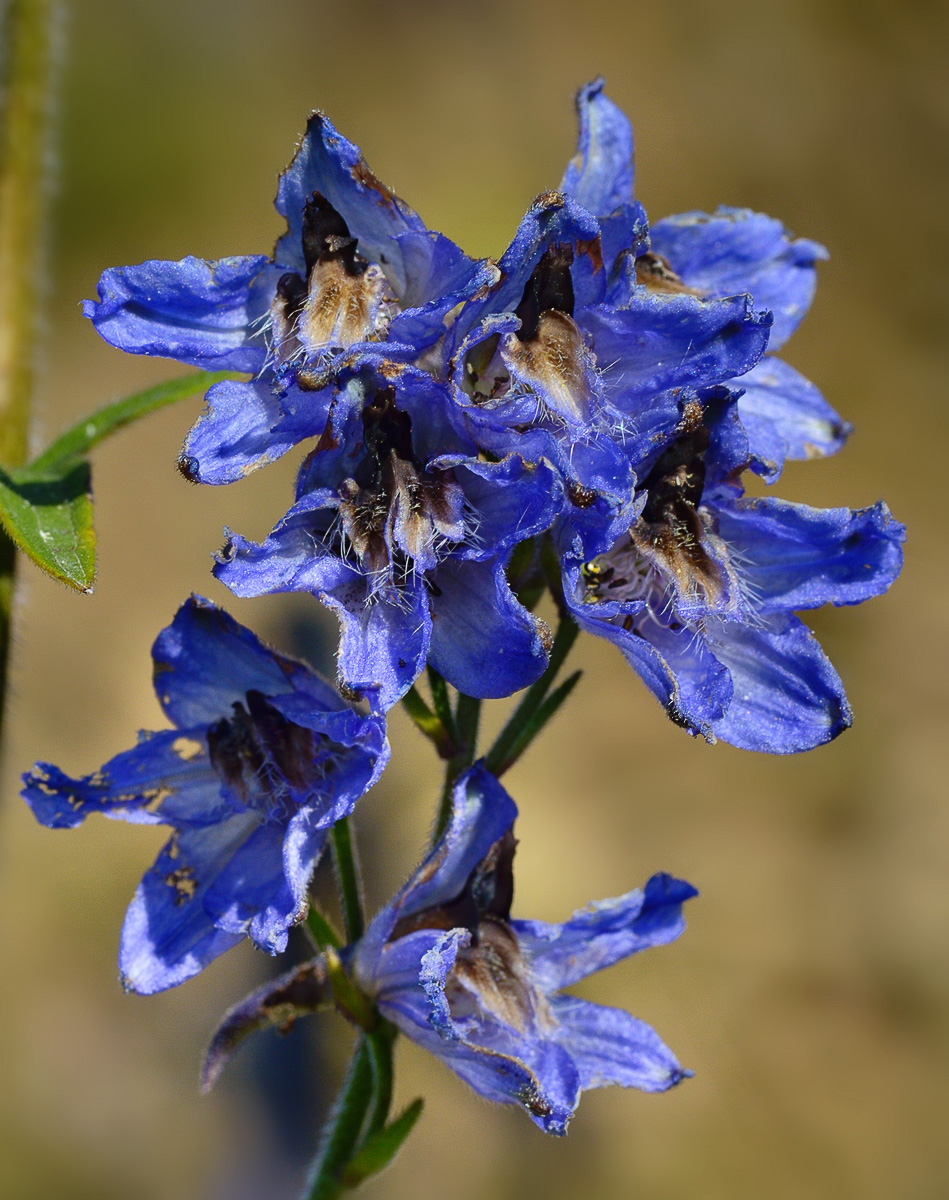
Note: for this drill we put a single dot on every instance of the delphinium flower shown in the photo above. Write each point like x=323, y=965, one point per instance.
x=405, y=531
x=356, y=265
x=446, y=963
x=450, y=967
x=731, y=252
x=264, y=758
x=700, y=592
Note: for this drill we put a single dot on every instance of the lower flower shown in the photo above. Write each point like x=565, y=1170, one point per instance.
x=447, y=964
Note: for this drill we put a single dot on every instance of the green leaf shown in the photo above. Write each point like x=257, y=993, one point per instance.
x=49, y=517
x=46, y=506
x=80, y=439
x=378, y=1151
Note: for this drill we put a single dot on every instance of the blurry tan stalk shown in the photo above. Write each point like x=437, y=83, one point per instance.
x=26, y=47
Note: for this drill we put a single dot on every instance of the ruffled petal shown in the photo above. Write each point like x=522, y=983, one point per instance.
x=786, y=417
x=439, y=276
x=511, y=500
x=787, y=695
x=205, y=661
x=205, y=314
x=600, y=174
x=246, y=426
x=737, y=250
x=610, y=1046
x=326, y=162
x=484, y=642
x=168, y=935
x=791, y=556
x=604, y=933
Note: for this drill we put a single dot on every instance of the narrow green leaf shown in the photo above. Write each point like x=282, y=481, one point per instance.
x=80, y=439
x=322, y=930
x=49, y=517
x=378, y=1151
x=532, y=727
x=428, y=723
x=341, y=1132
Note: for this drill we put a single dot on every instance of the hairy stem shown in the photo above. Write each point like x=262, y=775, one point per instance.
x=341, y=1133
x=27, y=38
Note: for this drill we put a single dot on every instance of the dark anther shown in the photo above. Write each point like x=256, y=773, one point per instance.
x=292, y=291
x=386, y=428
x=326, y=236
x=549, y=287
x=678, y=477
x=579, y=495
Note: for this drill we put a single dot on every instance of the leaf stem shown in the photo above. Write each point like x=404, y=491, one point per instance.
x=343, y=1128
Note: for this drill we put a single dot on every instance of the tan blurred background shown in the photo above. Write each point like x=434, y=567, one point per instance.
x=809, y=993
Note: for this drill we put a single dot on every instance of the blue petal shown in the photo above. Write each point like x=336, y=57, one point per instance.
x=737, y=250
x=791, y=556
x=600, y=175
x=482, y=812
x=484, y=642
x=438, y=277
x=544, y=1081
x=610, y=1046
x=787, y=696
x=251, y=894
x=512, y=500
x=246, y=426
x=666, y=341
x=168, y=936
x=604, y=932
x=326, y=162
x=201, y=313
x=675, y=664
x=205, y=662
x=165, y=779
x=786, y=417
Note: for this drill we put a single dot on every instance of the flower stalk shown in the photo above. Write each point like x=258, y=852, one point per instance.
x=27, y=34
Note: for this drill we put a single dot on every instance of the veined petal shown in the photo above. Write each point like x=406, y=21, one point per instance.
x=786, y=417
x=251, y=895
x=327, y=162
x=205, y=661
x=610, y=1046
x=201, y=313
x=600, y=174
x=439, y=276
x=791, y=556
x=246, y=426
x=484, y=641
x=787, y=696
x=168, y=936
x=737, y=250
x=513, y=500
x=604, y=932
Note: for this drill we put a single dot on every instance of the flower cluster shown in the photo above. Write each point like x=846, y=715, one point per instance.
x=602, y=389
x=578, y=417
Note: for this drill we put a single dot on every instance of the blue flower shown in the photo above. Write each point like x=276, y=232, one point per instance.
x=448, y=965
x=404, y=531
x=570, y=357
x=699, y=593
x=356, y=265
x=265, y=757
x=732, y=252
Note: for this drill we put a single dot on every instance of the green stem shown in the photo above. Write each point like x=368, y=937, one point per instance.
x=564, y=638
x=466, y=719
x=341, y=1134
x=321, y=930
x=347, y=877
x=428, y=723
x=27, y=35
x=380, y=1043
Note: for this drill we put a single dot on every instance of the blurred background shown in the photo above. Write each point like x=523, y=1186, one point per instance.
x=809, y=993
